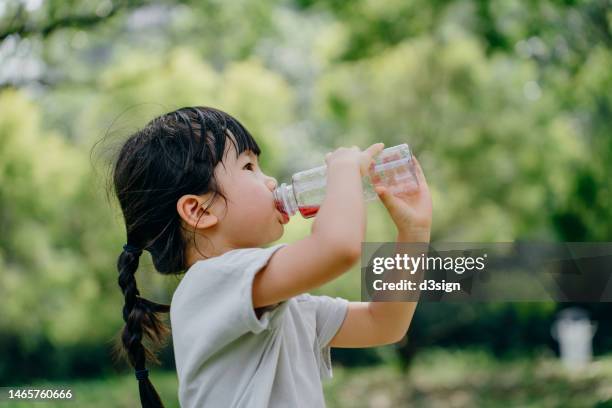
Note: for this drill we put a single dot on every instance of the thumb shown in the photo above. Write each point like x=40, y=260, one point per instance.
x=374, y=149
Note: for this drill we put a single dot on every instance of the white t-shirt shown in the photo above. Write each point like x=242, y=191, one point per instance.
x=227, y=357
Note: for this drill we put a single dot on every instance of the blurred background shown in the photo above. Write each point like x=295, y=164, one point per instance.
x=507, y=104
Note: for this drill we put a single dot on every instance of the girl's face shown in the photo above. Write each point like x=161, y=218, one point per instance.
x=250, y=217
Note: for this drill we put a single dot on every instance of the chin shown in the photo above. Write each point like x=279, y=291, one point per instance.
x=279, y=233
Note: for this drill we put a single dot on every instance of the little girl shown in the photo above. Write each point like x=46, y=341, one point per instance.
x=245, y=332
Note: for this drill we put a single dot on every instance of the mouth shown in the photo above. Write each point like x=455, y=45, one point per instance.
x=284, y=217
x=280, y=209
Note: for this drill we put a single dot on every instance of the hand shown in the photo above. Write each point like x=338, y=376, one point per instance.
x=411, y=212
x=365, y=159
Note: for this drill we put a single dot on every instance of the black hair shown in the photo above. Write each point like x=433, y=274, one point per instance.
x=173, y=155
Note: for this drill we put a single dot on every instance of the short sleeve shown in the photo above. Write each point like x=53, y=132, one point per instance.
x=330, y=313
x=214, y=304
x=254, y=264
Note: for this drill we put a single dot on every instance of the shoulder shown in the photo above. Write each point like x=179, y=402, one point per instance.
x=229, y=271
x=235, y=257
x=240, y=254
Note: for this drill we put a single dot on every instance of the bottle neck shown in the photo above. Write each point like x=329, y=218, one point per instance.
x=285, y=199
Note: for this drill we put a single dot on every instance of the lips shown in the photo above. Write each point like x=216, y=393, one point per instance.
x=284, y=218
x=281, y=210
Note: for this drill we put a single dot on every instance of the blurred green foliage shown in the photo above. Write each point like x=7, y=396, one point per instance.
x=507, y=104
x=439, y=377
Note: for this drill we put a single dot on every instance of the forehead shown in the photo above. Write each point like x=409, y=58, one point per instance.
x=250, y=154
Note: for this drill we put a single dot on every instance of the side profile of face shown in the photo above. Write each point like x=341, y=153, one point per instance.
x=247, y=218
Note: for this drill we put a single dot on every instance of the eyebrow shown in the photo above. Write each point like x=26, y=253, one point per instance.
x=250, y=154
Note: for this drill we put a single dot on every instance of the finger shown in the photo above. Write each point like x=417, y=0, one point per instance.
x=374, y=149
x=418, y=170
x=385, y=196
x=382, y=192
x=375, y=146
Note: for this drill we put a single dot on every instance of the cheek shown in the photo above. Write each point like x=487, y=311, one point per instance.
x=250, y=200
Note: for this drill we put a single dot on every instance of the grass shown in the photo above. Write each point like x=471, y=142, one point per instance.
x=438, y=378
x=117, y=392
x=442, y=378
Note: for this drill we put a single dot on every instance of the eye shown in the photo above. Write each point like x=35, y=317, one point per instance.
x=248, y=166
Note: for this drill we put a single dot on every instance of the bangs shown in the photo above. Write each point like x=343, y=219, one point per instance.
x=241, y=138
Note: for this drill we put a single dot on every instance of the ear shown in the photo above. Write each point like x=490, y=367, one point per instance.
x=191, y=210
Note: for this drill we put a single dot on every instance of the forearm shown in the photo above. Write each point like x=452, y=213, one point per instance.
x=394, y=318
x=341, y=218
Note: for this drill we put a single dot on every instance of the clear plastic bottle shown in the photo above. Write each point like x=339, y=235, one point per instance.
x=393, y=168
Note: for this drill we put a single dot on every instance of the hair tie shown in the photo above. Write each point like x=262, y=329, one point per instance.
x=132, y=249
x=142, y=374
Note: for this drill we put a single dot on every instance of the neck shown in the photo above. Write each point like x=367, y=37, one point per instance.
x=206, y=248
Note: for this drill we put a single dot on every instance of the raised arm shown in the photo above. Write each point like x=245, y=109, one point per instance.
x=334, y=244
x=377, y=323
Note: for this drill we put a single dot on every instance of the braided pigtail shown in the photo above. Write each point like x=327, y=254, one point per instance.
x=141, y=317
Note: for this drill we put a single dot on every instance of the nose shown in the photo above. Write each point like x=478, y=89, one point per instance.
x=271, y=183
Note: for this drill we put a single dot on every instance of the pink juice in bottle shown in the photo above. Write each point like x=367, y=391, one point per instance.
x=393, y=168
x=309, y=211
